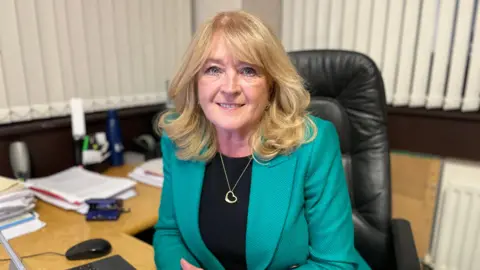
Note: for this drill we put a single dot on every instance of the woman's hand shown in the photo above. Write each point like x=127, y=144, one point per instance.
x=187, y=266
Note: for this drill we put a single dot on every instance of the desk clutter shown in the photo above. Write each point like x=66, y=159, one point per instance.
x=86, y=250
x=72, y=188
x=150, y=173
x=95, y=148
x=81, y=236
x=17, y=204
x=105, y=209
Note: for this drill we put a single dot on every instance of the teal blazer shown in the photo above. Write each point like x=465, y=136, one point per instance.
x=299, y=211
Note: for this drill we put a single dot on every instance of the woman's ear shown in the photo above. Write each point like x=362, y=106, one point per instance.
x=271, y=93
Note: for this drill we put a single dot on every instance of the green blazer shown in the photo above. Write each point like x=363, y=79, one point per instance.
x=299, y=211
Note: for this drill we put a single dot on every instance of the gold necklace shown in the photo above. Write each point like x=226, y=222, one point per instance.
x=230, y=190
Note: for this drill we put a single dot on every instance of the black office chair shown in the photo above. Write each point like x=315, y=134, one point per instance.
x=347, y=89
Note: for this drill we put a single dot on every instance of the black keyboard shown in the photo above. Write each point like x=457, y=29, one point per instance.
x=115, y=262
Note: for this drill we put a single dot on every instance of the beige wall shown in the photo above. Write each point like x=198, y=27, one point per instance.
x=268, y=10
x=205, y=9
x=415, y=179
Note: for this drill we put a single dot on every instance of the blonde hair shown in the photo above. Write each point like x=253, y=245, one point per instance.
x=285, y=124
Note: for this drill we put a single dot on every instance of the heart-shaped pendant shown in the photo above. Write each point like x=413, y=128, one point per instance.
x=233, y=198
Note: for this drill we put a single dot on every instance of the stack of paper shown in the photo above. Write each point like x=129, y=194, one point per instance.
x=70, y=189
x=150, y=173
x=17, y=203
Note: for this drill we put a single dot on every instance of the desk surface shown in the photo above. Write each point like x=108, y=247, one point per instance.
x=136, y=252
x=66, y=228
x=143, y=215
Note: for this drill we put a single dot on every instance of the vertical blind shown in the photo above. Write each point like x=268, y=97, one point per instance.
x=427, y=50
x=110, y=53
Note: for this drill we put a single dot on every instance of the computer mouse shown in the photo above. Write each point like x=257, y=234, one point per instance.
x=89, y=249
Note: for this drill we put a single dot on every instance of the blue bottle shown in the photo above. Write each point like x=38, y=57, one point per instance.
x=114, y=137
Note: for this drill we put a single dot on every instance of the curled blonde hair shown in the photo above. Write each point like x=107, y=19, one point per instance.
x=285, y=124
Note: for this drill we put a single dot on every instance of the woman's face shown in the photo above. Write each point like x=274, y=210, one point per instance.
x=233, y=95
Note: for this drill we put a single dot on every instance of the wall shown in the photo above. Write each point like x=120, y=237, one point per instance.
x=267, y=10
x=414, y=193
x=205, y=9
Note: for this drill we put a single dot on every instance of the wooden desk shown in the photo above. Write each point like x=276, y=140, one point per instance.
x=66, y=228
x=137, y=253
x=143, y=215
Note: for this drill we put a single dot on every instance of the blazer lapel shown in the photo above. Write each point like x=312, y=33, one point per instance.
x=270, y=194
x=187, y=189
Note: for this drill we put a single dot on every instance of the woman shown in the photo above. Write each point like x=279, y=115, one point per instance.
x=251, y=180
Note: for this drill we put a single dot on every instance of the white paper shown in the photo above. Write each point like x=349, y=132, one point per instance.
x=127, y=194
x=18, y=219
x=82, y=208
x=78, y=185
x=140, y=175
x=16, y=204
x=24, y=228
x=15, y=200
x=153, y=165
x=8, y=215
x=7, y=183
x=8, y=196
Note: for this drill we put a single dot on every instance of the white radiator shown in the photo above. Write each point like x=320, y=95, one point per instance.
x=455, y=243
x=428, y=50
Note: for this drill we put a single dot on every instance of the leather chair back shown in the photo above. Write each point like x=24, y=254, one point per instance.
x=347, y=89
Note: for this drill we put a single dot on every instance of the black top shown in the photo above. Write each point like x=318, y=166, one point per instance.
x=223, y=225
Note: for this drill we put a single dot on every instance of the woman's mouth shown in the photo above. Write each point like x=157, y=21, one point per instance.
x=230, y=106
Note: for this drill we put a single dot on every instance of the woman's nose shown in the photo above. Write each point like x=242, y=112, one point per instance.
x=231, y=84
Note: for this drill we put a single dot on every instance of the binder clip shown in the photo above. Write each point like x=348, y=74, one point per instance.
x=105, y=209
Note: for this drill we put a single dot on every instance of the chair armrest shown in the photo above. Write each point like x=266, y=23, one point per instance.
x=404, y=245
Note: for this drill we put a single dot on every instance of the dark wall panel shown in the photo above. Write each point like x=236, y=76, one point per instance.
x=448, y=134
x=50, y=141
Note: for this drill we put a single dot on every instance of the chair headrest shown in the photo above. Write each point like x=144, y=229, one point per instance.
x=329, y=109
x=353, y=87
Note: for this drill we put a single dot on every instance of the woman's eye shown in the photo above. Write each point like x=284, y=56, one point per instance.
x=213, y=70
x=248, y=71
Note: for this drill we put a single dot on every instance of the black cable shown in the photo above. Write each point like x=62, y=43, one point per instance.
x=37, y=254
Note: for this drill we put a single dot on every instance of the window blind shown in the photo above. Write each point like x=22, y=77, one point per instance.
x=427, y=50
x=110, y=53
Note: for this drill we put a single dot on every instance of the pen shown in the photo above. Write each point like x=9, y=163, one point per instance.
x=85, y=142
x=152, y=173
